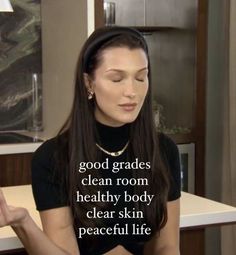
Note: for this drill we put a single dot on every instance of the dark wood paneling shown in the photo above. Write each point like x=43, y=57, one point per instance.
x=201, y=96
x=15, y=169
x=192, y=242
x=99, y=14
x=14, y=252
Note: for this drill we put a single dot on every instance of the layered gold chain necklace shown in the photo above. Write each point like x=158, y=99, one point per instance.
x=113, y=153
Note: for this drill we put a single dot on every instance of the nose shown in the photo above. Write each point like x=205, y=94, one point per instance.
x=130, y=90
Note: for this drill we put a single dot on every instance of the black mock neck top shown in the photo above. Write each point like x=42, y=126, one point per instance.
x=111, y=139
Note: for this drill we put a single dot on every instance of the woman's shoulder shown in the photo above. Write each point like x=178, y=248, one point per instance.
x=47, y=149
x=47, y=145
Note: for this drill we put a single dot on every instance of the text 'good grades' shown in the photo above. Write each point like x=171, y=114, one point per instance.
x=116, y=166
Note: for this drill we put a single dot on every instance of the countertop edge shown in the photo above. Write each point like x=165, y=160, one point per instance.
x=10, y=243
x=6, y=149
x=197, y=220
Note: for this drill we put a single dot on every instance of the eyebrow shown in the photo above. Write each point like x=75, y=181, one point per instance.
x=121, y=71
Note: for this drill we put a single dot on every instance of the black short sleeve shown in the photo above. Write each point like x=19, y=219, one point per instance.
x=46, y=190
x=170, y=154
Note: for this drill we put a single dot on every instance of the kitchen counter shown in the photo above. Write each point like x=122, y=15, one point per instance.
x=26, y=147
x=16, y=148
x=195, y=211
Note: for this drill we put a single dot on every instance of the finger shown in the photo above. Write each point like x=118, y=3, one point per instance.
x=11, y=208
x=3, y=205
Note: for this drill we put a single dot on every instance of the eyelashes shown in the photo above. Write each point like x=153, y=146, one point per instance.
x=116, y=81
x=120, y=80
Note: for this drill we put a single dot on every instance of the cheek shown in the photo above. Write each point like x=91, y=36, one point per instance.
x=142, y=95
x=143, y=91
x=105, y=94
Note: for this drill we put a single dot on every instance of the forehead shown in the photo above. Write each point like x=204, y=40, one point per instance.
x=123, y=58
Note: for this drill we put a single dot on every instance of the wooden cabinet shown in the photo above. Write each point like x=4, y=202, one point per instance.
x=171, y=13
x=192, y=242
x=15, y=169
x=129, y=12
x=14, y=252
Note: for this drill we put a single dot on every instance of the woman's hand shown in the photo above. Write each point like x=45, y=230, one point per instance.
x=10, y=215
x=34, y=240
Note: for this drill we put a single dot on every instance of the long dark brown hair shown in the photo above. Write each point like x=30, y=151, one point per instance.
x=77, y=138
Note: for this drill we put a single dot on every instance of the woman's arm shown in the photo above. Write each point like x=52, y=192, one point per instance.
x=58, y=236
x=167, y=243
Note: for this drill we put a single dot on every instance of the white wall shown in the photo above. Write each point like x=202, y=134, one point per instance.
x=64, y=30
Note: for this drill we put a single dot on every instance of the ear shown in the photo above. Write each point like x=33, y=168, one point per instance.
x=88, y=82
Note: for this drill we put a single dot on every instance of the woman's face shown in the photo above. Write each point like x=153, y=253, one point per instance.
x=120, y=84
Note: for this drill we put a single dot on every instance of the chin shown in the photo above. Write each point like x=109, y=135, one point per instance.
x=128, y=120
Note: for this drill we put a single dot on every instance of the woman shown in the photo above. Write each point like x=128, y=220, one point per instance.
x=108, y=183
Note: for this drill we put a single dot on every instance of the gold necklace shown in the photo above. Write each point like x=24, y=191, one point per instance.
x=113, y=153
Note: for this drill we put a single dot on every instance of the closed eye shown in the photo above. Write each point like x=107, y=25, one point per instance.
x=141, y=80
x=118, y=80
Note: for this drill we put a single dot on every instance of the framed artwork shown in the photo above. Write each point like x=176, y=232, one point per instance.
x=21, y=67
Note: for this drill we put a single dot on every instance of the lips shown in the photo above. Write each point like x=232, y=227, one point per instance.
x=128, y=106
